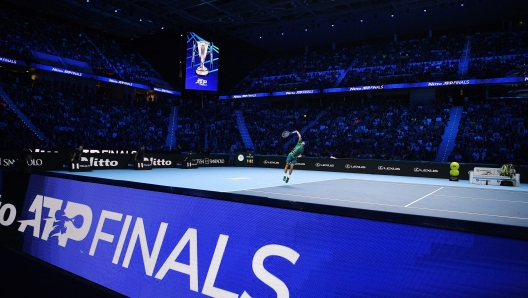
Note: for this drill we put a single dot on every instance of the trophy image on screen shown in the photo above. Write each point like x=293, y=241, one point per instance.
x=202, y=48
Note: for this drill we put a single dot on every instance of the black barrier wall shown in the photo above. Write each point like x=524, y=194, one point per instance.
x=39, y=161
x=100, y=161
x=56, y=161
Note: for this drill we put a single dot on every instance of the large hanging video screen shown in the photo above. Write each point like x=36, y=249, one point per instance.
x=201, y=64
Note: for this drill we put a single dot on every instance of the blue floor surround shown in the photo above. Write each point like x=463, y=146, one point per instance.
x=244, y=232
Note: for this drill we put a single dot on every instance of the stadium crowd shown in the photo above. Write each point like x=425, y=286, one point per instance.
x=378, y=130
x=25, y=36
x=210, y=125
x=14, y=133
x=410, y=60
x=493, y=131
x=70, y=114
x=265, y=123
x=435, y=58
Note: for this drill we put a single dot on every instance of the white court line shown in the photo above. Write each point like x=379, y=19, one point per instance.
x=476, y=188
x=285, y=184
x=388, y=182
x=423, y=197
x=398, y=206
x=482, y=199
x=446, y=187
x=334, y=179
x=471, y=213
x=328, y=199
x=241, y=178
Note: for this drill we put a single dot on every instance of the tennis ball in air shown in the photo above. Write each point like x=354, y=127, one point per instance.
x=454, y=165
x=454, y=173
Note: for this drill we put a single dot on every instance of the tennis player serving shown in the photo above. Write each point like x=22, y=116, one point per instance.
x=291, y=160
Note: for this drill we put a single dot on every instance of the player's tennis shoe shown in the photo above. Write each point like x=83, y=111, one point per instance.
x=284, y=178
x=287, y=179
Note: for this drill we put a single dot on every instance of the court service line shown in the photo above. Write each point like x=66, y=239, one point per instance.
x=285, y=184
x=328, y=199
x=486, y=188
x=480, y=188
x=388, y=182
x=483, y=199
x=470, y=213
x=423, y=197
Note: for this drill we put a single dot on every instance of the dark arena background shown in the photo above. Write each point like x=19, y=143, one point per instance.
x=142, y=150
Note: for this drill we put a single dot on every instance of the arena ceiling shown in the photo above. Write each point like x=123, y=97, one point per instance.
x=280, y=24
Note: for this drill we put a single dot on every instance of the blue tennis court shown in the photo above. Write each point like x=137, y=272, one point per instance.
x=405, y=195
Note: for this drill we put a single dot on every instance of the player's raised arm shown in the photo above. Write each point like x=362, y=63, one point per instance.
x=298, y=134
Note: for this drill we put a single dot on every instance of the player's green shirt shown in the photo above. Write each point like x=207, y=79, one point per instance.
x=299, y=149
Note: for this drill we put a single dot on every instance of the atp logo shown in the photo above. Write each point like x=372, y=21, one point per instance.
x=71, y=223
x=201, y=82
x=64, y=221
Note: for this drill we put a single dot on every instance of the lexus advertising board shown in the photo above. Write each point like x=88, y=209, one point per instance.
x=416, y=169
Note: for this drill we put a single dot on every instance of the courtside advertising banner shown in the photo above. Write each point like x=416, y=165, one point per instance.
x=145, y=243
x=381, y=167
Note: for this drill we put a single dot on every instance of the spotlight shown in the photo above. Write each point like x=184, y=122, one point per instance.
x=332, y=24
x=141, y=20
x=425, y=9
x=115, y=10
x=361, y=20
x=282, y=33
x=392, y=15
x=260, y=37
x=162, y=27
x=461, y=3
x=305, y=28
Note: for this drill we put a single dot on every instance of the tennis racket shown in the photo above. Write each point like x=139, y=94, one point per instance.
x=286, y=133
